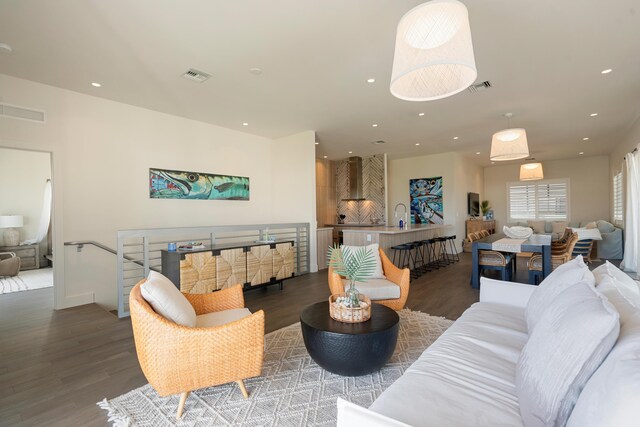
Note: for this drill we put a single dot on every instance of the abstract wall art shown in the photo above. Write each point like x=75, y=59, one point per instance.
x=426, y=200
x=172, y=184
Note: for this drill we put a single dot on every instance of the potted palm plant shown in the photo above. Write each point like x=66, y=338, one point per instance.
x=485, y=207
x=355, y=265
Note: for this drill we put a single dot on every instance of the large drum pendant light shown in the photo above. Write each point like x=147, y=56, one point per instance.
x=434, y=54
x=509, y=144
x=531, y=172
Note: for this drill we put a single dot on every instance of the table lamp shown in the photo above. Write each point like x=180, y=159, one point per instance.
x=11, y=235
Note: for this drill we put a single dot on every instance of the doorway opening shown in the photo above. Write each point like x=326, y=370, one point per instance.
x=26, y=241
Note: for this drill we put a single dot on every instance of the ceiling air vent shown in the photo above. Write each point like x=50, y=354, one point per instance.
x=196, y=75
x=13, y=112
x=479, y=86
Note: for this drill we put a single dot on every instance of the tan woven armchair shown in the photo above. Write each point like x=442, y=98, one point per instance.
x=179, y=359
x=394, y=274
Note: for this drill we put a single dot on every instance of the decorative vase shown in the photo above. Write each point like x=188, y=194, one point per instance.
x=352, y=295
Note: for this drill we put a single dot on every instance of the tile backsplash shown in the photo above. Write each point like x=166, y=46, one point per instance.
x=373, y=208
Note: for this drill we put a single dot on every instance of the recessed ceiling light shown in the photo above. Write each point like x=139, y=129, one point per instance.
x=607, y=71
x=5, y=48
x=371, y=80
x=255, y=71
x=94, y=84
x=245, y=124
x=325, y=157
x=477, y=152
x=350, y=152
x=420, y=114
x=375, y=125
x=586, y=138
x=581, y=153
x=417, y=143
x=455, y=137
x=317, y=143
x=593, y=114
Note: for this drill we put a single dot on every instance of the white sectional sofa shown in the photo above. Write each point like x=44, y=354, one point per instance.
x=564, y=353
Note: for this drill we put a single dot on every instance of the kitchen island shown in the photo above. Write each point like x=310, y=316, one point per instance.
x=387, y=236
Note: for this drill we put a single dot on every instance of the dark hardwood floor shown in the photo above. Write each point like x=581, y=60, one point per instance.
x=55, y=365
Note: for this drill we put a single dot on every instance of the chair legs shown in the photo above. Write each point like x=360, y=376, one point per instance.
x=183, y=399
x=243, y=389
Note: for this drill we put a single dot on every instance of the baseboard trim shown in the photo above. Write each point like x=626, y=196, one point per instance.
x=76, y=300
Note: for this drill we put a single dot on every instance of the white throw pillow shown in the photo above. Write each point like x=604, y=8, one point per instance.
x=621, y=278
x=167, y=300
x=560, y=279
x=570, y=341
x=537, y=226
x=378, y=272
x=611, y=396
x=557, y=227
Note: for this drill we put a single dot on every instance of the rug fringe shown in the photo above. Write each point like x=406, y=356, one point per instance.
x=113, y=415
x=408, y=310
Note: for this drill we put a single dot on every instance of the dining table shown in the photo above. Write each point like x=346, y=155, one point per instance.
x=536, y=243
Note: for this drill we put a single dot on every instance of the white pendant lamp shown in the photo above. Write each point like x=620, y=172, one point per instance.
x=434, y=54
x=531, y=172
x=509, y=144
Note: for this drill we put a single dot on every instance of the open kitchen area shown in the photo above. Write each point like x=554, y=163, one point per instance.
x=352, y=207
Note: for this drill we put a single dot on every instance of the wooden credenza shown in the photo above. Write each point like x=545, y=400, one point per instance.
x=29, y=255
x=221, y=266
x=475, y=225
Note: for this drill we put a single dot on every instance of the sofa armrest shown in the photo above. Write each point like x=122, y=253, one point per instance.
x=508, y=293
x=350, y=415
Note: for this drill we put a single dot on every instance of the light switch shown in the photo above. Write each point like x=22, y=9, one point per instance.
x=368, y=237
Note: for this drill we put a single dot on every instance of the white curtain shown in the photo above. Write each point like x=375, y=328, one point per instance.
x=45, y=216
x=632, y=215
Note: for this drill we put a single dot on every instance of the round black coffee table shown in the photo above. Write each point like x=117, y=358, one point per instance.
x=349, y=349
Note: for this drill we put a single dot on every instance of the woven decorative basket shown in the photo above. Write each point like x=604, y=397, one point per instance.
x=347, y=314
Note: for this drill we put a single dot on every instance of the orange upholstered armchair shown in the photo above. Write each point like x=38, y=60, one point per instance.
x=179, y=359
x=394, y=277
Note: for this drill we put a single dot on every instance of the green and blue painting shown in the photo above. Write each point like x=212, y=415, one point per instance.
x=170, y=184
x=426, y=200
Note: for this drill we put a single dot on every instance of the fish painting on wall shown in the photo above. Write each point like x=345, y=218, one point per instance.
x=172, y=184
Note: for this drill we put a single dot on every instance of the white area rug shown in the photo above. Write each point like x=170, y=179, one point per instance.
x=292, y=391
x=27, y=280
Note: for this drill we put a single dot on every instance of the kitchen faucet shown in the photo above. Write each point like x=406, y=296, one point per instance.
x=395, y=213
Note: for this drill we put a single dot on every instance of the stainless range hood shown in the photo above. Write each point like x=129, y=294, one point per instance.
x=355, y=179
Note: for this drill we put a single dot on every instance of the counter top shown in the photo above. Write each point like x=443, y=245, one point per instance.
x=355, y=224
x=396, y=230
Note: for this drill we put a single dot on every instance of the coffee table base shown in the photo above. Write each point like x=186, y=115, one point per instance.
x=350, y=355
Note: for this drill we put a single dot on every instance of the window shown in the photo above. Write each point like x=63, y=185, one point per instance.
x=617, y=198
x=542, y=200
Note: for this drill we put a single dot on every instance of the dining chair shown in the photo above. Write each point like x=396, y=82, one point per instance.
x=534, y=265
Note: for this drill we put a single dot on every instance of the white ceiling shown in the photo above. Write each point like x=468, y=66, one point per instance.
x=543, y=59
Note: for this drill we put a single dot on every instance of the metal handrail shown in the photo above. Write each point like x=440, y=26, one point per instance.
x=80, y=244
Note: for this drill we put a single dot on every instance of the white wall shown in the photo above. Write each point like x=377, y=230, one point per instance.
x=589, y=183
x=294, y=184
x=23, y=175
x=102, y=151
x=459, y=176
